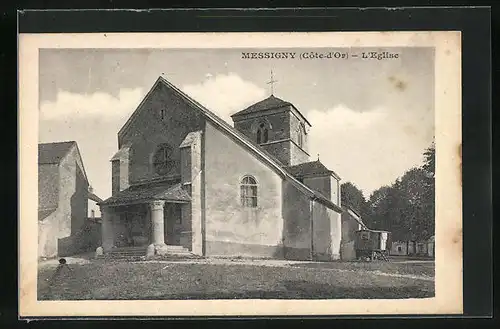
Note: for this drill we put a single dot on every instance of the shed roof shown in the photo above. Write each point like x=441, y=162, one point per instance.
x=148, y=192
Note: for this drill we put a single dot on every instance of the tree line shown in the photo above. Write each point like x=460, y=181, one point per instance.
x=405, y=208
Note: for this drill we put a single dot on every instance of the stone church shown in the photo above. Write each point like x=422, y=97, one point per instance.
x=184, y=179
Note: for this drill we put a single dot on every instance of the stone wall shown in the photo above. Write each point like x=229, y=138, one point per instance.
x=295, y=123
x=327, y=230
x=164, y=117
x=47, y=235
x=73, y=204
x=230, y=228
x=48, y=186
x=349, y=227
x=297, y=223
x=297, y=155
x=279, y=119
x=282, y=135
x=191, y=179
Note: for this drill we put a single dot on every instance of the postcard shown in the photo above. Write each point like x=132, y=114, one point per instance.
x=228, y=174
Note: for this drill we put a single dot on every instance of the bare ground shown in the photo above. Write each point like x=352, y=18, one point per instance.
x=230, y=279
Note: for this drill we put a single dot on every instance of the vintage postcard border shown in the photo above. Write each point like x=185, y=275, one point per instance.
x=448, y=257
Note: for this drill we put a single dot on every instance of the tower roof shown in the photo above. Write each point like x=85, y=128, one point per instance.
x=269, y=103
x=272, y=102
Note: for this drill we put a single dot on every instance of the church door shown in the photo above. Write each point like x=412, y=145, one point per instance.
x=173, y=225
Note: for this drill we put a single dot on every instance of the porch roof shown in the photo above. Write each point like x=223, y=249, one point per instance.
x=138, y=193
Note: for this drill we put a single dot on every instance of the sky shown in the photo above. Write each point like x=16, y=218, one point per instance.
x=371, y=119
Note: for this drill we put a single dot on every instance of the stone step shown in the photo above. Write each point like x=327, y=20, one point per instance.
x=127, y=250
x=128, y=254
x=119, y=256
x=179, y=251
x=130, y=249
x=143, y=252
x=173, y=247
x=139, y=253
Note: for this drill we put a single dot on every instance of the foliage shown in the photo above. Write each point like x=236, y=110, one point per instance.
x=406, y=208
x=351, y=196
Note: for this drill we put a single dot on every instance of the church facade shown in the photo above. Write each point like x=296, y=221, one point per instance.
x=184, y=178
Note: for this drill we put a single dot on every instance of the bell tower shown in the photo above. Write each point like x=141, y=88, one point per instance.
x=278, y=127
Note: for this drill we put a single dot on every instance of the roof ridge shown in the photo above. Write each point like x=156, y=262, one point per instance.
x=250, y=144
x=54, y=143
x=54, y=152
x=254, y=107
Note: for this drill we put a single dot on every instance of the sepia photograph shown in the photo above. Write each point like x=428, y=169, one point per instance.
x=252, y=167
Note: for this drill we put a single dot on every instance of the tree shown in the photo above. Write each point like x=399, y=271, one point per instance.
x=418, y=217
x=406, y=208
x=430, y=159
x=352, y=196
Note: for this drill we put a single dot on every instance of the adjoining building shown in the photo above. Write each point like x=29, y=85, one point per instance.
x=63, y=194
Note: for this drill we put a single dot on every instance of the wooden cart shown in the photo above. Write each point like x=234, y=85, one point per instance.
x=372, y=244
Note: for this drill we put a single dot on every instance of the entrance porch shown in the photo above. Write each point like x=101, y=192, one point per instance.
x=158, y=225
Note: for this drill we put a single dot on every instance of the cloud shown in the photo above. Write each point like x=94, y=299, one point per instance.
x=93, y=121
x=102, y=105
x=370, y=148
x=225, y=94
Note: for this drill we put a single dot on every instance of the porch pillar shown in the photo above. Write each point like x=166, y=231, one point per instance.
x=157, y=222
x=107, y=228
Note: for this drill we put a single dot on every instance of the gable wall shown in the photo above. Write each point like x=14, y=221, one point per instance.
x=230, y=228
x=147, y=131
x=48, y=186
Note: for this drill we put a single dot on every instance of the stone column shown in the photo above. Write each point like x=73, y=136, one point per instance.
x=107, y=228
x=158, y=226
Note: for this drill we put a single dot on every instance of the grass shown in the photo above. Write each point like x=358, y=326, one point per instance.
x=101, y=280
x=415, y=269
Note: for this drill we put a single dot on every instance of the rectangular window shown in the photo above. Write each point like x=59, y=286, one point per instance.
x=249, y=196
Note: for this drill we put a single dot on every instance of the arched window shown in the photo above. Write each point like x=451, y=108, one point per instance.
x=262, y=133
x=162, y=159
x=300, y=136
x=248, y=192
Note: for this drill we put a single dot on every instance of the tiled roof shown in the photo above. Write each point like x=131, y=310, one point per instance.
x=271, y=102
x=49, y=153
x=310, y=169
x=149, y=192
x=242, y=138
